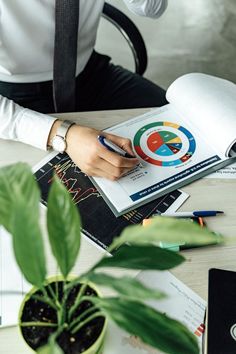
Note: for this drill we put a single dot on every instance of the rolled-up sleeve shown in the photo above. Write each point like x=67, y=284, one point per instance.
x=24, y=125
x=149, y=8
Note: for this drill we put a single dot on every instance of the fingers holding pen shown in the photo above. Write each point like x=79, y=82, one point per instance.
x=117, y=160
x=115, y=172
x=124, y=143
x=114, y=163
x=117, y=151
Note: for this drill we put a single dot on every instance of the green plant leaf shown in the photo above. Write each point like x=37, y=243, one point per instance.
x=126, y=286
x=14, y=179
x=5, y=207
x=64, y=225
x=19, y=197
x=51, y=348
x=170, y=230
x=151, y=326
x=28, y=242
x=142, y=257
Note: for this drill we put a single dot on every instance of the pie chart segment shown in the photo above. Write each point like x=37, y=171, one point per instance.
x=176, y=146
x=164, y=150
x=174, y=149
x=172, y=163
x=167, y=136
x=154, y=141
x=174, y=141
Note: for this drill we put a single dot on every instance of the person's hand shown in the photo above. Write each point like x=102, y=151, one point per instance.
x=94, y=159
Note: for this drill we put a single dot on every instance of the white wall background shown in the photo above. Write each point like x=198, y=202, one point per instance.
x=192, y=35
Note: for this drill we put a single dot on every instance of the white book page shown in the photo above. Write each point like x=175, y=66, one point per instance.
x=210, y=104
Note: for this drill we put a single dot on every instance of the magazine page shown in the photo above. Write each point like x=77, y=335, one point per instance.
x=210, y=104
x=170, y=152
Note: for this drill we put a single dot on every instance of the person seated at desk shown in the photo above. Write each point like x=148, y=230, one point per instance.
x=41, y=53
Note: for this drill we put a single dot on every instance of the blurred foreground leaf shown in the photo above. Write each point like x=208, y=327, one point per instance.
x=64, y=224
x=51, y=348
x=19, y=197
x=126, y=286
x=142, y=257
x=151, y=326
x=169, y=230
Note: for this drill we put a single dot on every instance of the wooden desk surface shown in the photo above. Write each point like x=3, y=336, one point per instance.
x=207, y=193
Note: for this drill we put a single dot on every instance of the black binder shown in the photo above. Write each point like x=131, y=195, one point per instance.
x=221, y=313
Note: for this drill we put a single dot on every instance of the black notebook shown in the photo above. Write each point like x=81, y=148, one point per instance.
x=221, y=313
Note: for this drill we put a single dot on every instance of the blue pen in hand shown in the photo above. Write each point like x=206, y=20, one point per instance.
x=113, y=147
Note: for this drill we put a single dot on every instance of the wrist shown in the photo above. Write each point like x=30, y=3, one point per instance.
x=58, y=135
x=75, y=134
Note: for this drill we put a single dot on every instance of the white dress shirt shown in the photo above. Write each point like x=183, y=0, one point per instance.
x=26, y=55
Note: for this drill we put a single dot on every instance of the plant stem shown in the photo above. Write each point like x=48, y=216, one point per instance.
x=74, y=282
x=45, y=300
x=60, y=330
x=77, y=300
x=38, y=324
x=85, y=313
x=61, y=315
x=89, y=298
x=45, y=294
x=53, y=295
x=89, y=319
x=57, y=289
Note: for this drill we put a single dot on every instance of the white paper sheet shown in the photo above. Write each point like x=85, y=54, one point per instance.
x=228, y=172
x=182, y=304
x=12, y=284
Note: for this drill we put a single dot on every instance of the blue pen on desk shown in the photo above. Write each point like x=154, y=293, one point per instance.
x=193, y=214
x=113, y=147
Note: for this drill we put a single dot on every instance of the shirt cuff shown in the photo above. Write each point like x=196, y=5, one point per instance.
x=33, y=128
x=151, y=8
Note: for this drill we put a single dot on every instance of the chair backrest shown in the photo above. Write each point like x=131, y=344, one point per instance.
x=131, y=34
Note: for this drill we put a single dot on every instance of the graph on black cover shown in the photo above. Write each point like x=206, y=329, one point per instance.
x=98, y=221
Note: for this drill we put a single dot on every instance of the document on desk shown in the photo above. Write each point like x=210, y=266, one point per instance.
x=228, y=172
x=13, y=286
x=99, y=224
x=182, y=304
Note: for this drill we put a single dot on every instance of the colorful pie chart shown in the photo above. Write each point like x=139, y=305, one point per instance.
x=164, y=143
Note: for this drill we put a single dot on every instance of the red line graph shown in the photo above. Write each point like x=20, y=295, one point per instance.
x=78, y=194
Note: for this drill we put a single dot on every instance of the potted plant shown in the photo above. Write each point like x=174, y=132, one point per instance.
x=66, y=314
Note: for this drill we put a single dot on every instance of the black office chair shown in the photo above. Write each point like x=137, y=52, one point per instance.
x=131, y=34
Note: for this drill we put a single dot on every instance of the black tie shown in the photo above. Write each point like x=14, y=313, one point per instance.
x=65, y=54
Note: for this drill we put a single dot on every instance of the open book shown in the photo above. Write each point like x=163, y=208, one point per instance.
x=192, y=136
